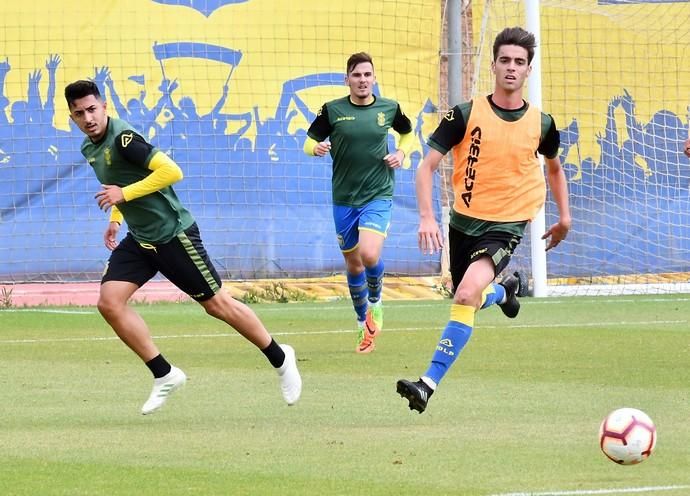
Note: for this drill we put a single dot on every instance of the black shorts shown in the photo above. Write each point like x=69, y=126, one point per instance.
x=182, y=260
x=465, y=249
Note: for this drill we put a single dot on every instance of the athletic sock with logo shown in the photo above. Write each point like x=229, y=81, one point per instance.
x=374, y=276
x=453, y=340
x=359, y=292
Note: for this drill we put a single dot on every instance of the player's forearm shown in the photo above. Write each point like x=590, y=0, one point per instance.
x=406, y=143
x=559, y=189
x=309, y=145
x=116, y=215
x=424, y=181
x=165, y=173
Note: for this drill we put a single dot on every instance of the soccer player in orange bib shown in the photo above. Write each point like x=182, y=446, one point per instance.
x=499, y=187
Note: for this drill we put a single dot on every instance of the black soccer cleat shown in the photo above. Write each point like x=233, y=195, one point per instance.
x=417, y=393
x=511, y=307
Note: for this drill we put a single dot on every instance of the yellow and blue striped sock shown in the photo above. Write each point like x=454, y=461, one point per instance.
x=453, y=340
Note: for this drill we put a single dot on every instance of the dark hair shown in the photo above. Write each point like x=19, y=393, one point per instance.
x=358, y=58
x=516, y=36
x=80, y=89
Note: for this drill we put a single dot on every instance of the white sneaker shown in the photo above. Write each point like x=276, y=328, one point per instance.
x=162, y=388
x=290, y=380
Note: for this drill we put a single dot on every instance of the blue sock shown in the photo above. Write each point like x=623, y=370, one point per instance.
x=453, y=340
x=493, y=294
x=375, y=281
x=357, y=283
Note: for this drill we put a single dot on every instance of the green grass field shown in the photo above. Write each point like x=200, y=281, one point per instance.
x=517, y=414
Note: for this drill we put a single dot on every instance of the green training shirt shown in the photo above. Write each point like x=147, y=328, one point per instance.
x=121, y=158
x=359, y=141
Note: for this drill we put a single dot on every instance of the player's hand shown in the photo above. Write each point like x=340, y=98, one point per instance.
x=429, y=237
x=110, y=195
x=394, y=160
x=686, y=149
x=321, y=149
x=556, y=233
x=110, y=235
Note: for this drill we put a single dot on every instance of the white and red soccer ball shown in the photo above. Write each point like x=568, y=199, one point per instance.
x=627, y=436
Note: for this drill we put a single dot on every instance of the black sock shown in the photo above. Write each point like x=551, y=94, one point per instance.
x=274, y=353
x=159, y=366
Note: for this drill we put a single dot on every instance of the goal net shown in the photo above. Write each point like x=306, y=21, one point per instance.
x=616, y=78
x=227, y=88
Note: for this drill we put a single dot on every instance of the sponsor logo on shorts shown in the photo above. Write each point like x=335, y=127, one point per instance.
x=475, y=254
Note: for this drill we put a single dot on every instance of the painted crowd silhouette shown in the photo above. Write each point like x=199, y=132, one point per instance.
x=264, y=190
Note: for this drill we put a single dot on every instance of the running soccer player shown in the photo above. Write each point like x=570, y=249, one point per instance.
x=499, y=187
x=363, y=180
x=163, y=237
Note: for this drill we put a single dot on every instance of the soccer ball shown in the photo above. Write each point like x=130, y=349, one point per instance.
x=627, y=436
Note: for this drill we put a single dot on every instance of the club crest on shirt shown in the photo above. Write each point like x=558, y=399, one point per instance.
x=107, y=157
x=381, y=119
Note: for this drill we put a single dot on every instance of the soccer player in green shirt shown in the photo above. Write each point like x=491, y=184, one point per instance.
x=163, y=237
x=363, y=180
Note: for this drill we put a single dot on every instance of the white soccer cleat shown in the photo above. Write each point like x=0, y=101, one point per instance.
x=290, y=380
x=162, y=388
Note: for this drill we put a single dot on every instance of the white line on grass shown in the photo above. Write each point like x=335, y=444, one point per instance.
x=588, y=300
x=584, y=492
x=408, y=304
x=333, y=331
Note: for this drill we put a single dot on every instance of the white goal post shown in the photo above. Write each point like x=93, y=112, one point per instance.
x=614, y=75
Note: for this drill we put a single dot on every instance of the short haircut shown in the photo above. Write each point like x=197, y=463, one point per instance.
x=80, y=89
x=516, y=36
x=358, y=58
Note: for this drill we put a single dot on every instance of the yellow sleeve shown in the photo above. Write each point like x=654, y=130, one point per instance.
x=165, y=173
x=406, y=142
x=116, y=215
x=405, y=145
x=309, y=145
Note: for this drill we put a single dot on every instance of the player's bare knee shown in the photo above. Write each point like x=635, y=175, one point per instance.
x=369, y=259
x=467, y=297
x=108, y=306
x=223, y=307
x=354, y=267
